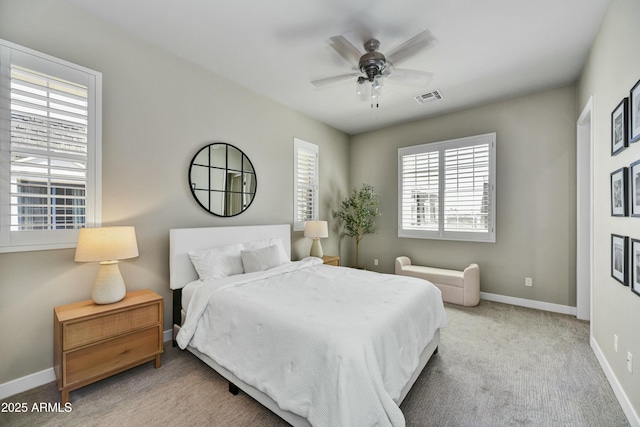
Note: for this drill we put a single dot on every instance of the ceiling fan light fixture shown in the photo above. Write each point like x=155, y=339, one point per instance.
x=361, y=89
x=378, y=82
x=375, y=96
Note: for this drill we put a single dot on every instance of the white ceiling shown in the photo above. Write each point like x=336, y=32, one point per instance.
x=483, y=50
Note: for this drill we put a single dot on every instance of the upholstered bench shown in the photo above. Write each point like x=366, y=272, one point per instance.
x=457, y=287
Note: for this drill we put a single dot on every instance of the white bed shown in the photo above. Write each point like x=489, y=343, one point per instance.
x=182, y=241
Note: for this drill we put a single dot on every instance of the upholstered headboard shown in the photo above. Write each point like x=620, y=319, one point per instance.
x=183, y=240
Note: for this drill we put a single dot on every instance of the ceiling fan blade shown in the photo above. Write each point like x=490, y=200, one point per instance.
x=414, y=77
x=410, y=47
x=334, y=79
x=346, y=49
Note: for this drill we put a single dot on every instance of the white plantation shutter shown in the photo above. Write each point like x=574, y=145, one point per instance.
x=447, y=190
x=48, y=152
x=305, y=178
x=420, y=191
x=466, y=192
x=49, y=183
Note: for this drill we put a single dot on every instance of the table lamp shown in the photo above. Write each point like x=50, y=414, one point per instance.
x=316, y=230
x=107, y=245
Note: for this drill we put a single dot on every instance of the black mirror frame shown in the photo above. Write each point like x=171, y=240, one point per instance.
x=244, y=157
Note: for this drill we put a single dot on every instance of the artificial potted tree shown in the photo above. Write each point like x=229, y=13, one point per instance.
x=357, y=214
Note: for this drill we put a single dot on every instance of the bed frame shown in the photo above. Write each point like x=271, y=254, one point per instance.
x=183, y=240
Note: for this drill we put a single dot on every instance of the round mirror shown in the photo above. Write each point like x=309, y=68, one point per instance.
x=222, y=179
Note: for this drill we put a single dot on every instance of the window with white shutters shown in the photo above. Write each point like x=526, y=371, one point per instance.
x=447, y=190
x=305, y=183
x=50, y=149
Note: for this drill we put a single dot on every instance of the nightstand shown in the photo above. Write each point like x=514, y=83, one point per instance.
x=331, y=260
x=92, y=342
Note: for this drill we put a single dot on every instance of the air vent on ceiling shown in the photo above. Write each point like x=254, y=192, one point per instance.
x=428, y=97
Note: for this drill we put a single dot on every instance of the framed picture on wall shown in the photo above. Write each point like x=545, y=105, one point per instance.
x=634, y=113
x=619, y=135
x=619, y=259
x=635, y=266
x=634, y=188
x=619, y=192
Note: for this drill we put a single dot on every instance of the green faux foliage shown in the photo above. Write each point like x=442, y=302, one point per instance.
x=358, y=213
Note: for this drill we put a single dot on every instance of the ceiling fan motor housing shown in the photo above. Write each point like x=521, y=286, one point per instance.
x=373, y=62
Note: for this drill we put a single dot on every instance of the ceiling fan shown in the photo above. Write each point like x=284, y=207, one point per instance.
x=374, y=67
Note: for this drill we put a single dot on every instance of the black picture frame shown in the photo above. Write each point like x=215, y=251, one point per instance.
x=634, y=189
x=619, y=185
x=635, y=266
x=619, y=258
x=634, y=113
x=619, y=129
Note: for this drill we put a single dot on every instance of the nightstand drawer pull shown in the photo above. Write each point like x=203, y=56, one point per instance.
x=94, y=361
x=80, y=333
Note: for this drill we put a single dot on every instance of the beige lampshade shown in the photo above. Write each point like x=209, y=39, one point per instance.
x=106, y=243
x=316, y=229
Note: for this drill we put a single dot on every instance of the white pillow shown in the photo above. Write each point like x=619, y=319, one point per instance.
x=219, y=262
x=261, y=259
x=259, y=244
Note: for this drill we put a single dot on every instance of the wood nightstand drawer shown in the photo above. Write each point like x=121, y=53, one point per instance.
x=94, y=361
x=84, y=332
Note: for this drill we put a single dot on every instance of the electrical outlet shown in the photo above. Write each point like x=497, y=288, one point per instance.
x=528, y=281
x=629, y=362
x=375, y=261
x=615, y=343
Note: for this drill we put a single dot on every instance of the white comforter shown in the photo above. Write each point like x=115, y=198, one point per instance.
x=332, y=344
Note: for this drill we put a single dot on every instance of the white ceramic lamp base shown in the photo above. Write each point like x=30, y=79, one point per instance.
x=109, y=286
x=316, y=248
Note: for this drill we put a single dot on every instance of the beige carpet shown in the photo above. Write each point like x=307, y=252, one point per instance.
x=498, y=365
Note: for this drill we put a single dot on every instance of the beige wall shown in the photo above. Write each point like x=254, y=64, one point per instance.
x=535, y=195
x=157, y=112
x=612, y=69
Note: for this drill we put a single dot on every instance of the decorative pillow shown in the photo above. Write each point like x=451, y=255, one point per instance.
x=261, y=259
x=259, y=244
x=219, y=262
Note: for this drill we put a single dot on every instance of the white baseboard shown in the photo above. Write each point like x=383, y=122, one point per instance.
x=625, y=403
x=19, y=385
x=37, y=379
x=538, y=305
